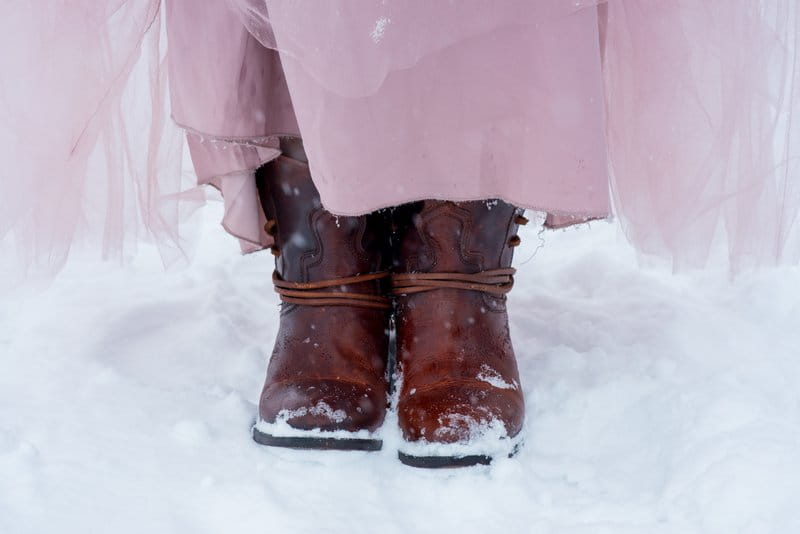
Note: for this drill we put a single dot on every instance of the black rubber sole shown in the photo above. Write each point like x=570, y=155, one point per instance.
x=316, y=442
x=444, y=462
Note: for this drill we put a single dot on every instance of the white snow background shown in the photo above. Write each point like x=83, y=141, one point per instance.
x=656, y=403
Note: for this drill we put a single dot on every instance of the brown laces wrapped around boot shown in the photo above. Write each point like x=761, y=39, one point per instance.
x=326, y=384
x=459, y=379
x=308, y=294
x=496, y=282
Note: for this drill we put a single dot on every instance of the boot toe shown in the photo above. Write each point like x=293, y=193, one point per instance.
x=323, y=404
x=459, y=413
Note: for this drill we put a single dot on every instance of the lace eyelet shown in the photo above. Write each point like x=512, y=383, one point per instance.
x=521, y=220
x=270, y=226
x=514, y=241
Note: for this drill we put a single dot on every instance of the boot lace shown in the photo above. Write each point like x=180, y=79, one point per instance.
x=313, y=294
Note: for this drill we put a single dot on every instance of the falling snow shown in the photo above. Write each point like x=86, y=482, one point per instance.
x=380, y=29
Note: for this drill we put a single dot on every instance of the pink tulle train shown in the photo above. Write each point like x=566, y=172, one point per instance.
x=678, y=115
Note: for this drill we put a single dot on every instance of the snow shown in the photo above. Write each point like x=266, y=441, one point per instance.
x=656, y=404
x=320, y=409
x=380, y=29
x=488, y=438
x=493, y=378
x=281, y=428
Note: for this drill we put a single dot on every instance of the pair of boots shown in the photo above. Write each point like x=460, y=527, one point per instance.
x=439, y=271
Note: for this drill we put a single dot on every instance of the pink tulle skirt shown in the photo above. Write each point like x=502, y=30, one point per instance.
x=674, y=115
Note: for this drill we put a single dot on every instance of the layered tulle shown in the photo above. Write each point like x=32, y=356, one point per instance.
x=84, y=133
x=703, y=137
x=230, y=95
x=688, y=104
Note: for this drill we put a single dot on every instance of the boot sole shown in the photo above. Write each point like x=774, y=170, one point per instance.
x=316, y=442
x=444, y=462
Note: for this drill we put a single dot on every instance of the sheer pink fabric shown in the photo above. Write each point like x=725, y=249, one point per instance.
x=79, y=159
x=703, y=139
x=687, y=102
x=451, y=100
x=230, y=95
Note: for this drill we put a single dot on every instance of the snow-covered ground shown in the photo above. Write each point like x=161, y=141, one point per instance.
x=656, y=404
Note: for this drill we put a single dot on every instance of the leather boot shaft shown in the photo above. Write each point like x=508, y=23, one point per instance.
x=310, y=242
x=466, y=237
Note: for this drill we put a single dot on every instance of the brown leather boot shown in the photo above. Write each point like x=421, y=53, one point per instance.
x=460, y=401
x=326, y=384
